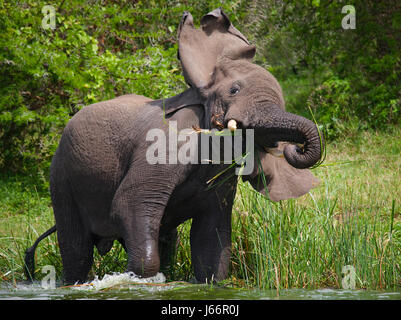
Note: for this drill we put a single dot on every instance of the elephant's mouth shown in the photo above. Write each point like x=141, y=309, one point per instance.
x=274, y=177
x=260, y=152
x=276, y=150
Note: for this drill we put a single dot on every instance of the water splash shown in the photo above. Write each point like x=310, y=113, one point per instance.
x=117, y=279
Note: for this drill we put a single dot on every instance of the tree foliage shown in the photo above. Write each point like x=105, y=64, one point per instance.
x=306, y=39
x=102, y=49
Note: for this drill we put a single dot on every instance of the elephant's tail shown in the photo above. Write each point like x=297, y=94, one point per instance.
x=29, y=267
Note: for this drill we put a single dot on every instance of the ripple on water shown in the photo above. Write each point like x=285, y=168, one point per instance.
x=129, y=286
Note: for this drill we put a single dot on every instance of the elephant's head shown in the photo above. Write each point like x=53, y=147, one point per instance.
x=216, y=62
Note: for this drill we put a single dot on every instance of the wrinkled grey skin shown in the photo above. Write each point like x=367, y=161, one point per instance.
x=103, y=189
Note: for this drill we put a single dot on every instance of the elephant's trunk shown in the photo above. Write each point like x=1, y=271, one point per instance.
x=273, y=124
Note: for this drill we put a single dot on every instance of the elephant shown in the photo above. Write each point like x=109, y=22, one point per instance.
x=103, y=188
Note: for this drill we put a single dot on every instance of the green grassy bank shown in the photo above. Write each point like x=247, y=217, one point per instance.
x=352, y=218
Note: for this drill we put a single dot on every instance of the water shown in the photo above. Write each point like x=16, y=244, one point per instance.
x=129, y=287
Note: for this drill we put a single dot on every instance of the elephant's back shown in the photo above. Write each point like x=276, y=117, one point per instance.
x=114, y=112
x=108, y=122
x=98, y=140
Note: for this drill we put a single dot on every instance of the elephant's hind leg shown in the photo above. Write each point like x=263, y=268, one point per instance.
x=75, y=241
x=77, y=258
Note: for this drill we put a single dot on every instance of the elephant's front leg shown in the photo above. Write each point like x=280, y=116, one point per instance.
x=140, y=228
x=211, y=244
x=141, y=238
x=139, y=208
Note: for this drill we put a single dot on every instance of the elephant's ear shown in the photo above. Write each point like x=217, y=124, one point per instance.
x=283, y=181
x=189, y=97
x=200, y=49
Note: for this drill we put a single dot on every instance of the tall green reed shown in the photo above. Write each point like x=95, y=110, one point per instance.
x=285, y=244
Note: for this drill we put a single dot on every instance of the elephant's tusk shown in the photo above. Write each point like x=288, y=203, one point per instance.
x=232, y=125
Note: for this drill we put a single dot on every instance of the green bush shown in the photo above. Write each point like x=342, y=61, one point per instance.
x=333, y=106
x=354, y=73
x=48, y=75
x=340, y=106
x=380, y=96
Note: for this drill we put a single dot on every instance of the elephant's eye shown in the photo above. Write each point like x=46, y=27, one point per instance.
x=234, y=90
